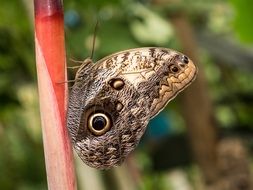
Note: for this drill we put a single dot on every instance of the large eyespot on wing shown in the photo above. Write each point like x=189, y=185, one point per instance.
x=97, y=118
x=99, y=123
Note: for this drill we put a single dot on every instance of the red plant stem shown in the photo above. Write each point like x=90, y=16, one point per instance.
x=51, y=70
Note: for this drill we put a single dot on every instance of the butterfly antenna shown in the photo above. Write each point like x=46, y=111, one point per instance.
x=94, y=39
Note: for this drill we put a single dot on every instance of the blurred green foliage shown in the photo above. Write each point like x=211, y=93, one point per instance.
x=243, y=19
x=122, y=24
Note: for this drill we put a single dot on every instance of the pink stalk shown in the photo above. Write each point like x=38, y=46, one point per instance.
x=51, y=71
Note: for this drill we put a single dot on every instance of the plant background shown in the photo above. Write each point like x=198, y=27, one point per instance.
x=222, y=30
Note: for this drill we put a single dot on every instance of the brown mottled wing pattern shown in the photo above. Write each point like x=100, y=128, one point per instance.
x=113, y=100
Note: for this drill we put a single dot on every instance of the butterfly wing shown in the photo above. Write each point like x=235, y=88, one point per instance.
x=112, y=101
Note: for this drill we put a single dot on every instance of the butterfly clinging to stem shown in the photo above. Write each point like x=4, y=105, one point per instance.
x=112, y=101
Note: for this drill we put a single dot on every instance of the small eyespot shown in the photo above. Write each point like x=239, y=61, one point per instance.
x=116, y=83
x=99, y=123
x=119, y=106
x=174, y=69
x=185, y=59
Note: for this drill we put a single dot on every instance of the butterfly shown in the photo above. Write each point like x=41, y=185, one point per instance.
x=112, y=100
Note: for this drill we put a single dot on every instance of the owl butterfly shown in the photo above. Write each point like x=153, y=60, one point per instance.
x=112, y=101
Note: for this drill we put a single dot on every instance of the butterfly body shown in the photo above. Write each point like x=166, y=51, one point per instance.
x=113, y=100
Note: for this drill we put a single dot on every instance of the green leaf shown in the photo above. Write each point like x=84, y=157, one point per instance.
x=243, y=19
